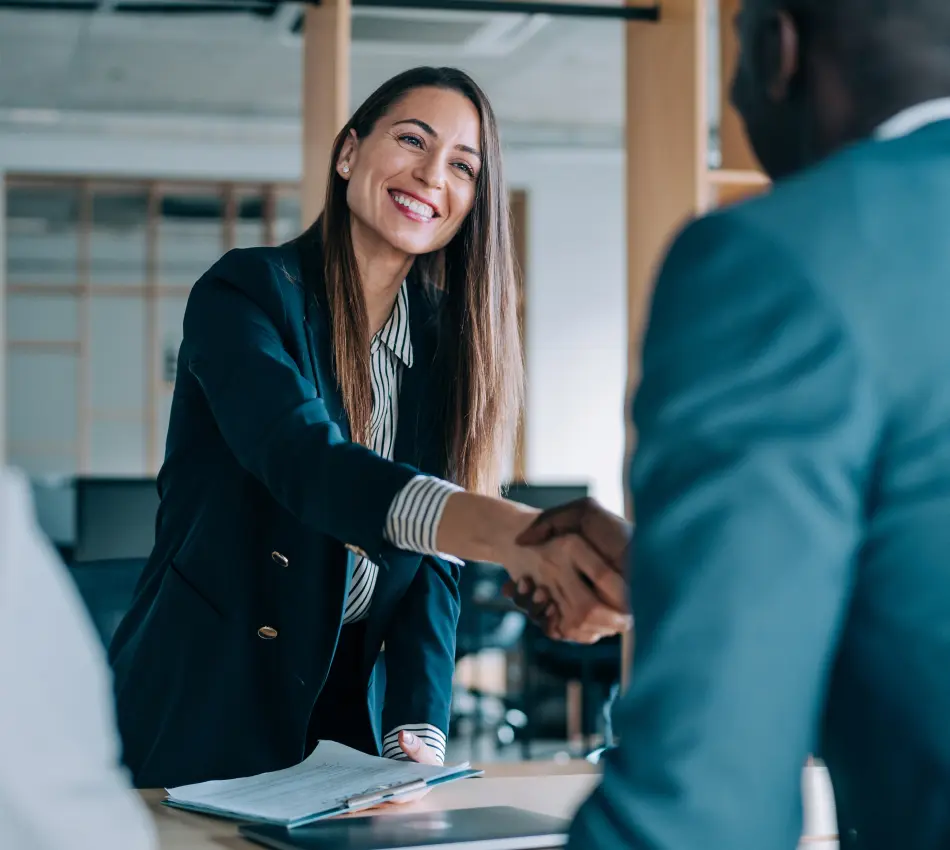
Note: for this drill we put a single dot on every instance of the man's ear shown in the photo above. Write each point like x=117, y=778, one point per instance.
x=777, y=53
x=348, y=155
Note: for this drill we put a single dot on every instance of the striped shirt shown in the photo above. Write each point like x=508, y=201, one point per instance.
x=413, y=519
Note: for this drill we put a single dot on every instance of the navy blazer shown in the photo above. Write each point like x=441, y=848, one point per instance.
x=262, y=495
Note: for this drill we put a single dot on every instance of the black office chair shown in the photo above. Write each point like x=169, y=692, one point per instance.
x=595, y=668
x=107, y=588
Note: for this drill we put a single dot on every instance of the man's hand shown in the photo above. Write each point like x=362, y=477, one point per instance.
x=608, y=534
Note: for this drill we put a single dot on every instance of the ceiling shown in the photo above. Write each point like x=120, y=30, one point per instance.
x=556, y=78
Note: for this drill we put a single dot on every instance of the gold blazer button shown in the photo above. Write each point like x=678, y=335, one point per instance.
x=267, y=632
x=360, y=553
x=283, y=560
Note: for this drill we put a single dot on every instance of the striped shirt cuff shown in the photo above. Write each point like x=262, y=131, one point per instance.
x=429, y=734
x=413, y=519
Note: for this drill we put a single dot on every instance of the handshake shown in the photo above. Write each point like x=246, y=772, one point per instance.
x=568, y=573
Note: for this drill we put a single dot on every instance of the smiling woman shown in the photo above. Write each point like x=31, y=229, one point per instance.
x=344, y=403
x=418, y=165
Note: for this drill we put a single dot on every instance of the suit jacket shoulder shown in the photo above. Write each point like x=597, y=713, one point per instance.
x=270, y=277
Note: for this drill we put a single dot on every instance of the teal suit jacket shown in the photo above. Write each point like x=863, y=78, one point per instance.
x=791, y=563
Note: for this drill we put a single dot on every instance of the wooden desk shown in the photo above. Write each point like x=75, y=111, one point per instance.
x=544, y=787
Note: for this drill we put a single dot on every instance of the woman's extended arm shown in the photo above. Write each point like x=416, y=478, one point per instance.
x=278, y=428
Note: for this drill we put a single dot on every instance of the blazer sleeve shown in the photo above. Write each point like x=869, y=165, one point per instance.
x=755, y=423
x=271, y=417
x=420, y=655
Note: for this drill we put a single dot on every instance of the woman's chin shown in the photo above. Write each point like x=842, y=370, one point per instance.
x=411, y=243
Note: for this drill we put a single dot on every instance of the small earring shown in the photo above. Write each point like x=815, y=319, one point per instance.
x=346, y=168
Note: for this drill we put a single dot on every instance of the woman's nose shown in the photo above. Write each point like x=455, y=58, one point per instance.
x=432, y=172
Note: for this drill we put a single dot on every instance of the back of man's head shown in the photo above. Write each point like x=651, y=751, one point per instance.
x=816, y=74
x=898, y=44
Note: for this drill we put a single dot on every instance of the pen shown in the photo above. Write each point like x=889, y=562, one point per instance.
x=385, y=793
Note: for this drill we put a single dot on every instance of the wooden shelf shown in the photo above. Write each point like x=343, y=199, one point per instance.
x=729, y=186
x=730, y=178
x=44, y=346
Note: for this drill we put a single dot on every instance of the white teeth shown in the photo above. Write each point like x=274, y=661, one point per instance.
x=416, y=206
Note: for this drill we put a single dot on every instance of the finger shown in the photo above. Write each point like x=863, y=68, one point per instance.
x=583, y=611
x=417, y=749
x=609, y=585
x=591, y=636
x=607, y=621
x=537, y=605
x=575, y=600
x=527, y=598
x=551, y=622
x=609, y=534
x=553, y=523
x=541, y=598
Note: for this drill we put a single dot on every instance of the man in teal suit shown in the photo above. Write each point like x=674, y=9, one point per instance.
x=791, y=561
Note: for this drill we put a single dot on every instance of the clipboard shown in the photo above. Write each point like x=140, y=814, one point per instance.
x=333, y=780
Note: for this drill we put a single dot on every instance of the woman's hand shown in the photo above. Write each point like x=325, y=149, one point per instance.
x=419, y=751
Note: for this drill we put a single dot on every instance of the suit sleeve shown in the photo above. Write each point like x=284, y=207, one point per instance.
x=271, y=417
x=755, y=423
x=420, y=657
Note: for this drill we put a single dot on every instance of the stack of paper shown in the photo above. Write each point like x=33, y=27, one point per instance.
x=333, y=780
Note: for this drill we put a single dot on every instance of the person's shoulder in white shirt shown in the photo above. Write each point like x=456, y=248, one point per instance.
x=61, y=781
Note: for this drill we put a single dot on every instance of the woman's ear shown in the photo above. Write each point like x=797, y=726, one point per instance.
x=348, y=155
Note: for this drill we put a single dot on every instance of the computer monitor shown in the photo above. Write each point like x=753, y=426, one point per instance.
x=115, y=518
x=544, y=496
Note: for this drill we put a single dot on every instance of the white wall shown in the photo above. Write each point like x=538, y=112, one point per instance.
x=576, y=316
x=576, y=301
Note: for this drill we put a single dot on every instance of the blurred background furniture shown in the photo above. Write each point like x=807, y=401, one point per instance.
x=107, y=588
x=115, y=518
x=489, y=630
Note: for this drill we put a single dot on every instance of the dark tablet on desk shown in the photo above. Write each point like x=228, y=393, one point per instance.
x=493, y=828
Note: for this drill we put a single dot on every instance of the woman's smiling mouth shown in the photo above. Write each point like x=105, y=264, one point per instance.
x=413, y=207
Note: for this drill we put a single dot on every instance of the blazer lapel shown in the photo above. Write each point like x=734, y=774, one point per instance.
x=319, y=335
x=321, y=354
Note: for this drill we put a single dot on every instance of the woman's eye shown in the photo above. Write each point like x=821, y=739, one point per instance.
x=464, y=166
x=412, y=140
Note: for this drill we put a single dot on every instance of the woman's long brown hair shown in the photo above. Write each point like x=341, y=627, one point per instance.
x=480, y=368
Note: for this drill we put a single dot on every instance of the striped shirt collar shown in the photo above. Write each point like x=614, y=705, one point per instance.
x=395, y=333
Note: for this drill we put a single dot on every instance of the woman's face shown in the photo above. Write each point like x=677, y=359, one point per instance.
x=412, y=179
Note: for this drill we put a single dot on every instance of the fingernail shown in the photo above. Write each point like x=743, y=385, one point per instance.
x=408, y=738
x=523, y=586
x=539, y=595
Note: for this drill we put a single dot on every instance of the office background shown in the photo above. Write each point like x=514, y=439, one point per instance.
x=140, y=140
